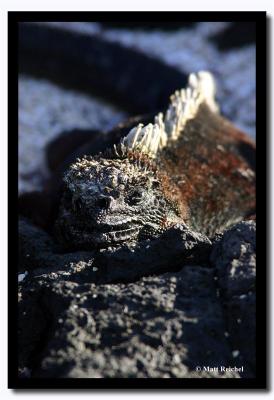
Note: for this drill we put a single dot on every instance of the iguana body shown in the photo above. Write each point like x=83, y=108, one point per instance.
x=190, y=166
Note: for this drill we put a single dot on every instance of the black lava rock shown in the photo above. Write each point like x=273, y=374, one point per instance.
x=235, y=260
x=93, y=314
x=163, y=326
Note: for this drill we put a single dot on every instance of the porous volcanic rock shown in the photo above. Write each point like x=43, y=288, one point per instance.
x=161, y=326
x=75, y=322
x=234, y=257
x=40, y=255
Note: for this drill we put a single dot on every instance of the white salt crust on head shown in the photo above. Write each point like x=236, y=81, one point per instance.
x=184, y=105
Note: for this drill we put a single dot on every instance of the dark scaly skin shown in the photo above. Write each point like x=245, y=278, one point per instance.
x=212, y=165
x=110, y=200
x=205, y=179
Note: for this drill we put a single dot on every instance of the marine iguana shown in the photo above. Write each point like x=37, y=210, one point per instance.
x=191, y=165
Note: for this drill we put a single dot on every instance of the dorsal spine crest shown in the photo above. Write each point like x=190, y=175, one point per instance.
x=184, y=105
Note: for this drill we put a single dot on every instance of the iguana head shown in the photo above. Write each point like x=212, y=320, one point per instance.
x=110, y=200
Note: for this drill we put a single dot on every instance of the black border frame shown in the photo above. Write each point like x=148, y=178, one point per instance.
x=260, y=382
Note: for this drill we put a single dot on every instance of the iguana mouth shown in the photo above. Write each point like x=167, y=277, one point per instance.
x=116, y=236
x=103, y=235
x=112, y=234
x=118, y=227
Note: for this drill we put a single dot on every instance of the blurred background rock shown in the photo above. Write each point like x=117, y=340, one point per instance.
x=46, y=109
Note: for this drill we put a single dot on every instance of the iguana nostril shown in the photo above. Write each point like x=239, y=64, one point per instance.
x=103, y=202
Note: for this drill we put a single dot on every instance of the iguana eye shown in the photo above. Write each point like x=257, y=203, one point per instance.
x=135, y=197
